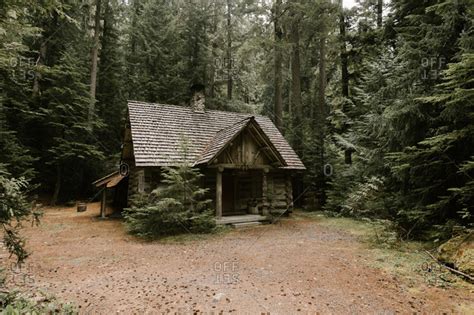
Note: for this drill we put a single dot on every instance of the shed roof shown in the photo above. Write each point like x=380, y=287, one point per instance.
x=158, y=131
x=110, y=180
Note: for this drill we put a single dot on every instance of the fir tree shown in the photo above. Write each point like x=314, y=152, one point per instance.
x=73, y=145
x=441, y=166
x=13, y=209
x=177, y=206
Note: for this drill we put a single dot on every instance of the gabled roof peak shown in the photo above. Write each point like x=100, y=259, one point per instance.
x=226, y=136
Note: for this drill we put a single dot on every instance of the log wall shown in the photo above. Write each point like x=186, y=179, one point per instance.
x=280, y=193
x=151, y=180
x=248, y=187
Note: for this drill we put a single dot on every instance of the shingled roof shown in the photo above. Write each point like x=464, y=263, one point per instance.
x=158, y=131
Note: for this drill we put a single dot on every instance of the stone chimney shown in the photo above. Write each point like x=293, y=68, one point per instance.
x=198, y=99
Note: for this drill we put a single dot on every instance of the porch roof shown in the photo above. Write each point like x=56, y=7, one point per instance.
x=110, y=180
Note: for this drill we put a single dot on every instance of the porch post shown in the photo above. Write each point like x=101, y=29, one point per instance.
x=264, y=192
x=103, y=202
x=219, y=191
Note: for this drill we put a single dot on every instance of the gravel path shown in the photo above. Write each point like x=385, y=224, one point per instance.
x=297, y=266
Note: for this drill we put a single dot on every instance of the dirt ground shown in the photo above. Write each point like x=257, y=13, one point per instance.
x=296, y=266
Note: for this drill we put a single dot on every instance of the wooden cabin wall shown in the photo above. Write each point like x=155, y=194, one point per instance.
x=280, y=192
x=151, y=179
x=132, y=181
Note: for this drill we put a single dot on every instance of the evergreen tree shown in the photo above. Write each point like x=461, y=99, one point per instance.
x=13, y=208
x=111, y=95
x=404, y=157
x=178, y=206
x=440, y=167
x=16, y=72
x=155, y=58
x=69, y=125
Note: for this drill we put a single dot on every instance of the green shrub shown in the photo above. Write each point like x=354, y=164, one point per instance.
x=178, y=207
x=11, y=303
x=167, y=217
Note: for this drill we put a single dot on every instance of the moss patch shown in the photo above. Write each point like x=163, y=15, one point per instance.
x=459, y=252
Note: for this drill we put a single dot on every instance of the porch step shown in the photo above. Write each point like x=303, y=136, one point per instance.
x=245, y=224
x=241, y=219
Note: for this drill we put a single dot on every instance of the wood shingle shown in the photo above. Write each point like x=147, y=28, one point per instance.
x=158, y=130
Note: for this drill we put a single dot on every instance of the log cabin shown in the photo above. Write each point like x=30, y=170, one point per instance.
x=248, y=165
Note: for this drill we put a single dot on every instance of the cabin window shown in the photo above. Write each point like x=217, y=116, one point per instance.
x=141, y=181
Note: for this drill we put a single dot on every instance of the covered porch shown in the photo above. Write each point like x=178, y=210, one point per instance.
x=248, y=174
x=241, y=195
x=115, y=180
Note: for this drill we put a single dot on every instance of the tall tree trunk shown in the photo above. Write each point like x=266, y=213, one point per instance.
x=229, y=51
x=278, y=66
x=322, y=77
x=323, y=111
x=57, y=185
x=343, y=53
x=379, y=13
x=290, y=101
x=133, y=88
x=136, y=12
x=296, y=103
x=296, y=72
x=214, y=46
x=94, y=58
x=39, y=62
x=344, y=70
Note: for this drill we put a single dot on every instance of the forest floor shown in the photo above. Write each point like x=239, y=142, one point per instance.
x=306, y=263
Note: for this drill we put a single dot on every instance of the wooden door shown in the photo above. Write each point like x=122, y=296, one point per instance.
x=228, y=194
